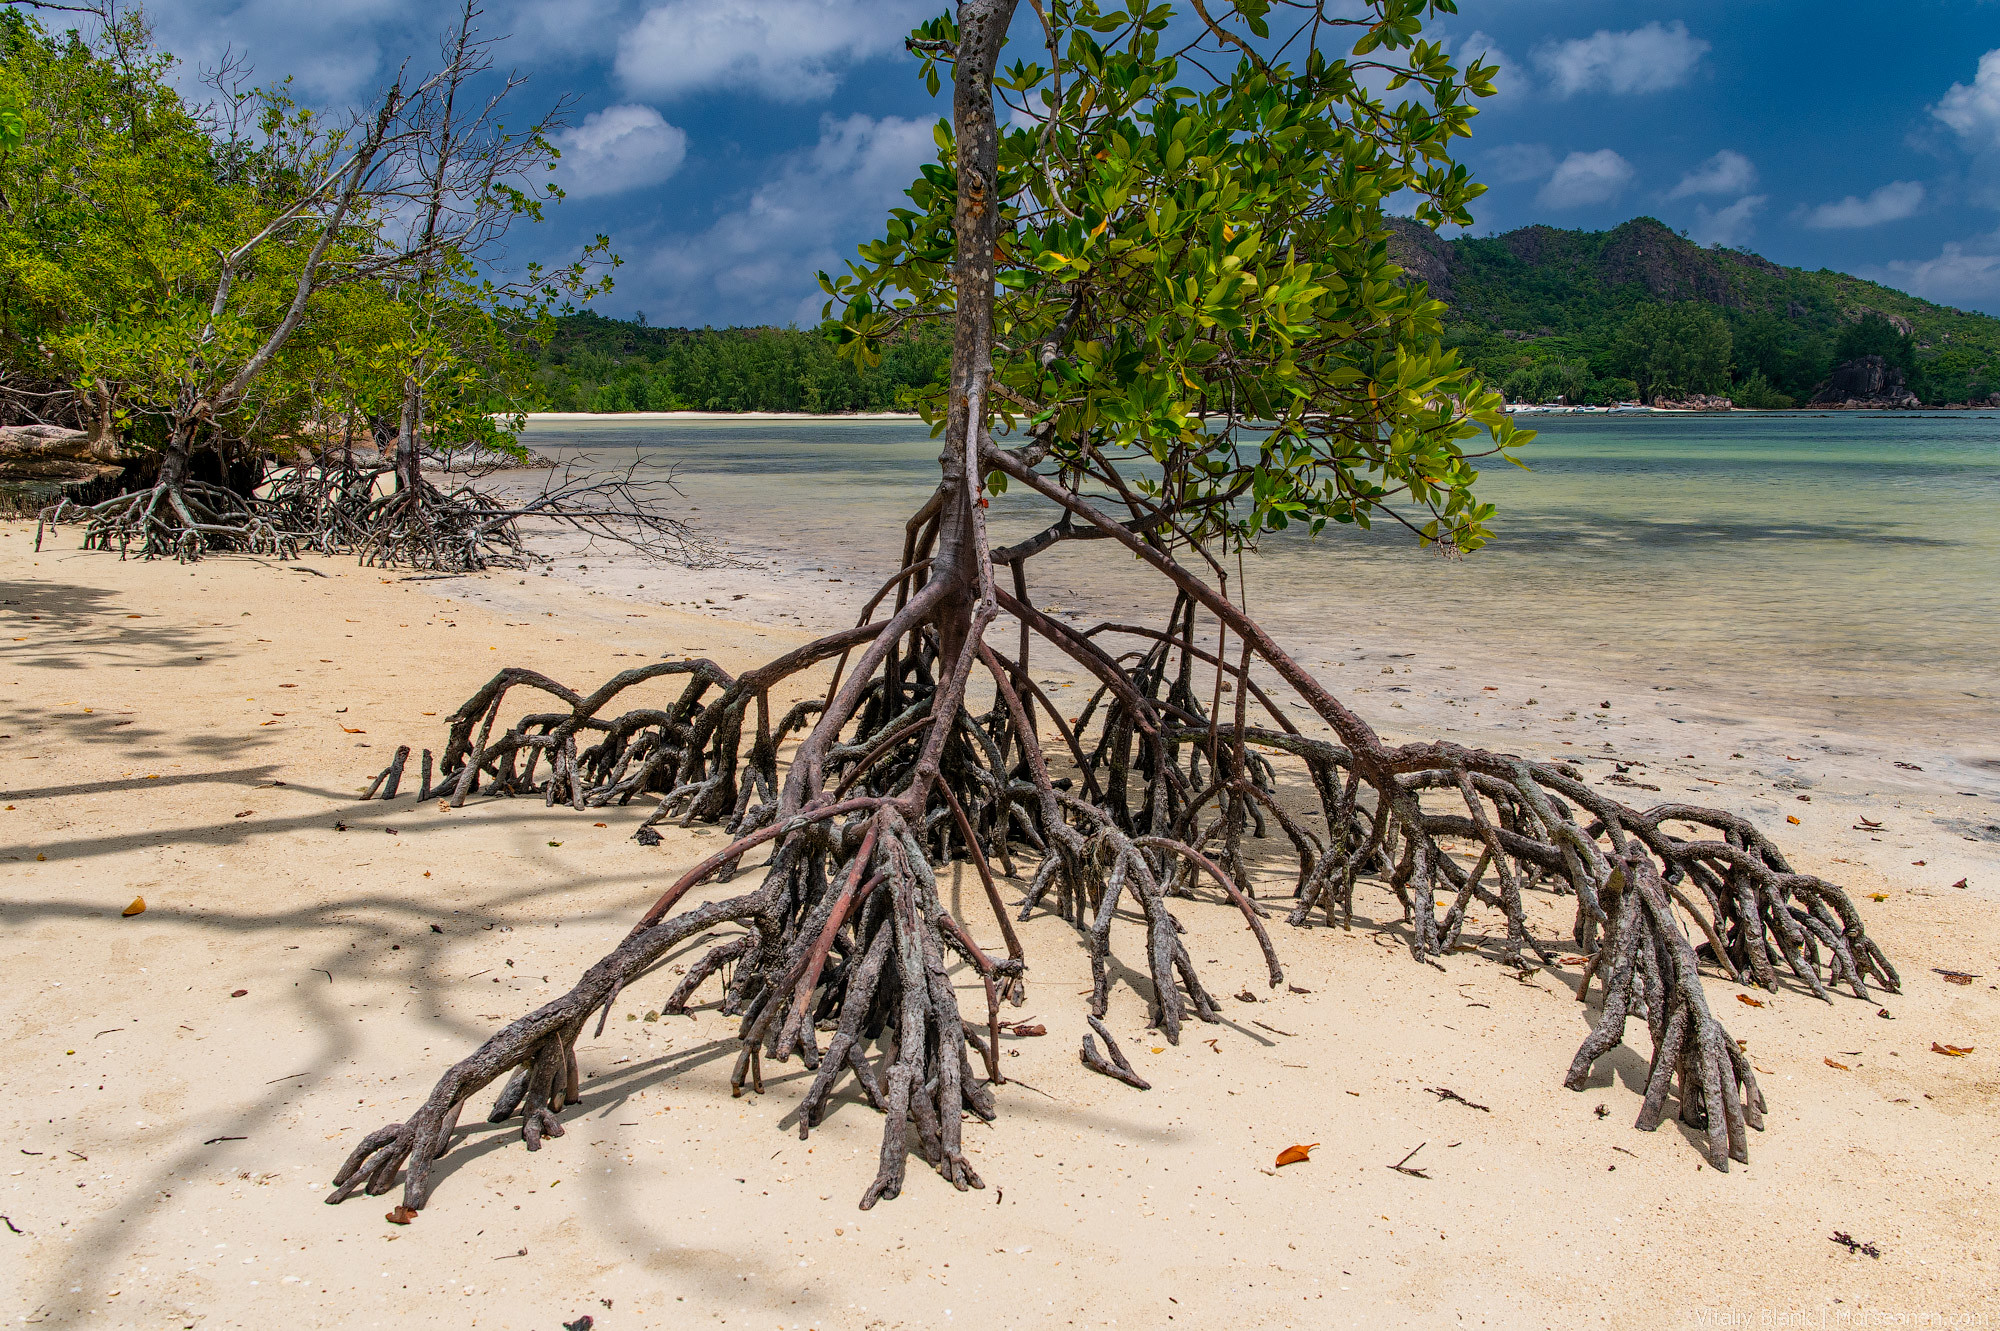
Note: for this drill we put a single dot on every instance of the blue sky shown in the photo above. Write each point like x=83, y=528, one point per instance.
x=732, y=147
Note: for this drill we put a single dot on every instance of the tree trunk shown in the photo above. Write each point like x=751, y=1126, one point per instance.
x=409, y=466
x=176, y=458
x=982, y=30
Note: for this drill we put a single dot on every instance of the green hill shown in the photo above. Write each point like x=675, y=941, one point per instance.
x=1593, y=316
x=1542, y=309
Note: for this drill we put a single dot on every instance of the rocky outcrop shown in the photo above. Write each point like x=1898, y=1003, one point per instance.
x=1694, y=402
x=1422, y=253
x=1866, y=383
x=1668, y=266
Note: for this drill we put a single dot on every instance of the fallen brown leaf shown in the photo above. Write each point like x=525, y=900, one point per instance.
x=402, y=1215
x=238, y=993
x=246, y=813
x=1790, y=819
x=138, y=907
x=1753, y=1002
x=1951, y=1050
x=352, y=731
x=1959, y=883
x=1295, y=1155
x=1842, y=1066
x=1030, y=1030
x=1573, y=961
x=1956, y=977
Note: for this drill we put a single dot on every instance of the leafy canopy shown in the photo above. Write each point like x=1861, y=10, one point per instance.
x=1675, y=349
x=120, y=200
x=1193, y=267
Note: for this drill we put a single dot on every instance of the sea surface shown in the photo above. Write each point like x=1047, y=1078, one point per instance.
x=1836, y=571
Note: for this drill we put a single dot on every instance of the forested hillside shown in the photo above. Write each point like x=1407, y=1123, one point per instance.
x=1639, y=310
x=592, y=363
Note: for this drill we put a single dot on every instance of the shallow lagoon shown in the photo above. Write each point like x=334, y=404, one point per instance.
x=1840, y=569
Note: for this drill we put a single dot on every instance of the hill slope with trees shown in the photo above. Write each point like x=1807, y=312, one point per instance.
x=592, y=363
x=1637, y=312
x=1640, y=311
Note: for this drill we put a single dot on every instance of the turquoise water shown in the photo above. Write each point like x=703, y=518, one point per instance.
x=1840, y=568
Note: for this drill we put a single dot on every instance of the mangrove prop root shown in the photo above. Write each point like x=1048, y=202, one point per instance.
x=440, y=522
x=842, y=954
x=180, y=520
x=1116, y=1067
x=337, y=506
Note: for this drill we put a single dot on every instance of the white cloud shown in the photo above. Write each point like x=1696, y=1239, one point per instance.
x=1725, y=173
x=788, y=50
x=1975, y=111
x=619, y=148
x=1512, y=163
x=1891, y=203
x=1727, y=226
x=1968, y=278
x=339, y=51
x=1649, y=59
x=755, y=264
x=1586, y=178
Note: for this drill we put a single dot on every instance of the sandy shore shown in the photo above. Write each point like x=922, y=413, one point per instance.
x=198, y=736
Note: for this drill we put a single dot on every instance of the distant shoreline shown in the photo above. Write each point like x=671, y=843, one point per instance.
x=723, y=416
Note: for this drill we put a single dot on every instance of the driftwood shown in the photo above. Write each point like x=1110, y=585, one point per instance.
x=44, y=463
x=51, y=453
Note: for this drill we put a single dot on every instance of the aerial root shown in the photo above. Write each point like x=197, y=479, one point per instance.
x=1116, y=1067
x=174, y=520
x=847, y=938
x=337, y=506
x=442, y=525
x=1647, y=964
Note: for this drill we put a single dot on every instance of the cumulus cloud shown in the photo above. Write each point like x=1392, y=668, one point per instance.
x=1725, y=173
x=755, y=264
x=1727, y=226
x=1891, y=203
x=619, y=148
x=1586, y=178
x=1512, y=163
x=338, y=51
x=1649, y=59
x=788, y=50
x=1974, y=111
x=1966, y=276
